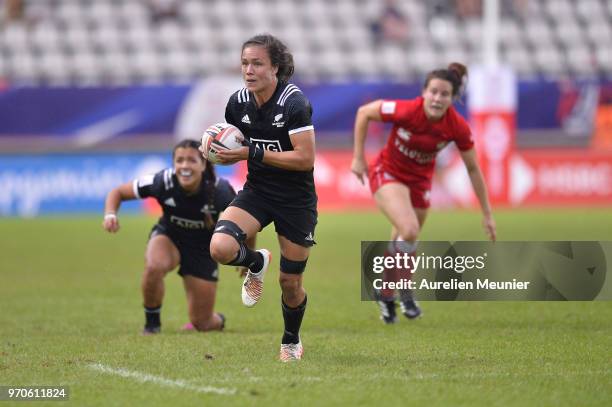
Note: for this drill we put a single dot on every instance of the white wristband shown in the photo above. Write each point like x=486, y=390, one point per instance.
x=110, y=216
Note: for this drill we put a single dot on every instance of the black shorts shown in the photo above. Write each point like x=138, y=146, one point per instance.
x=296, y=224
x=195, y=257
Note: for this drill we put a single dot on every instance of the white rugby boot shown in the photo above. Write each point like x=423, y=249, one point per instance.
x=252, y=287
x=290, y=352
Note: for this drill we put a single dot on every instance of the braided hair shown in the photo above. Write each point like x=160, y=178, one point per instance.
x=209, y=178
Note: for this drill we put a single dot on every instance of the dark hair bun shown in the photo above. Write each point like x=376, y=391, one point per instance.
x=458, y=69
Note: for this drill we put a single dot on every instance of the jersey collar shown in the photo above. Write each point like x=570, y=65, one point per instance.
x=279, y=88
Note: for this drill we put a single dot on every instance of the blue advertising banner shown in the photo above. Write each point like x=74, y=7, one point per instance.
x=64, y=184
x=185, y=110
x=68, y=111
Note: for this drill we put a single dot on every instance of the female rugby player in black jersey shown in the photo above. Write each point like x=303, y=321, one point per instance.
x=191, y=197
x=275, y=117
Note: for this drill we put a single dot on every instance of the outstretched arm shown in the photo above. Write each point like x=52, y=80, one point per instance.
x=480, y=189
x=113, y=201
x=365, y=114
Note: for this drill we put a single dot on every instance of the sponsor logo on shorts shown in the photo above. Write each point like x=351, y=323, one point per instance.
x=388, y=177
x=309, y=237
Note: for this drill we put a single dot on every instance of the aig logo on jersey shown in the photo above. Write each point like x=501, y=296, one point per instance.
x=277, y=122
x=270, y=145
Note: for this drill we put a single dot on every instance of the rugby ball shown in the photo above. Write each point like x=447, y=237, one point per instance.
x=220, y=136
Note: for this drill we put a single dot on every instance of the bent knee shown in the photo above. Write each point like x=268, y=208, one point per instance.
x=289, y=285
x=158, y=267
x=409, y=233
x=223, y=249
x=205, y=324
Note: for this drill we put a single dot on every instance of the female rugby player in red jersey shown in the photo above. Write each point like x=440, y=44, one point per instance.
x=401, y=176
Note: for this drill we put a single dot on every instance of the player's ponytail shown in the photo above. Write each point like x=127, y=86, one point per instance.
x=210, y=180
x=277, y=51
x=461, y=73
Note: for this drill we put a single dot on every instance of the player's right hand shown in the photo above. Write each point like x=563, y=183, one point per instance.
x=228, y=157
x=359, y=167
x=490, y=228
x=110, y=223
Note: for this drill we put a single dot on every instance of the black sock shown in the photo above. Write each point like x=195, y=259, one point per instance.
x=248, y=258
x=152, y=317
x=293, y=321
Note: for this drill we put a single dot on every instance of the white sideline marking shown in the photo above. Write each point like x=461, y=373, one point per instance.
x=480, y=375
x=143, y=378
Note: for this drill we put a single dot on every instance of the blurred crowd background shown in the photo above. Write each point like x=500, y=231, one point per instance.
x=92, y=42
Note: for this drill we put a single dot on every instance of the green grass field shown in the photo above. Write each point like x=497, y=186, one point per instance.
x=71, y=315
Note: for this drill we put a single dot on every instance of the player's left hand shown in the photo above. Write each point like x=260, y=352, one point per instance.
x=489, y=226
x=242, y=271
x=227, y=157
x=359, y=167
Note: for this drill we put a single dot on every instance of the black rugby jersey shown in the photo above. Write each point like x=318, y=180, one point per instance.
x=287, y=112
x=184, y=214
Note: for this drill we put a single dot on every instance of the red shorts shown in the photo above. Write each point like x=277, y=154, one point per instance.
x=419, y=191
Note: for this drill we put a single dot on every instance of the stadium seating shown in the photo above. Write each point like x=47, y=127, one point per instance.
x=111, y=41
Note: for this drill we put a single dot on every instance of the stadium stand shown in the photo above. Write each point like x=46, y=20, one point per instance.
x=90, y=42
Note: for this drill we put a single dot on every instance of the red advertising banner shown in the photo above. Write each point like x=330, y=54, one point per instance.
x=337, y=186
x=535, y=177
x=561, y=177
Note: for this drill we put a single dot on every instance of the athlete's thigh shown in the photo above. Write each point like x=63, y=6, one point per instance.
x=161, y=252
x=200, y=297
x=291, y=250
x=296, y=225
x=394, y=201
x=247, y=222
x=421, y=214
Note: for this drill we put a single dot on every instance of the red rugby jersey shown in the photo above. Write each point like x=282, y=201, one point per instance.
x=414, y=142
